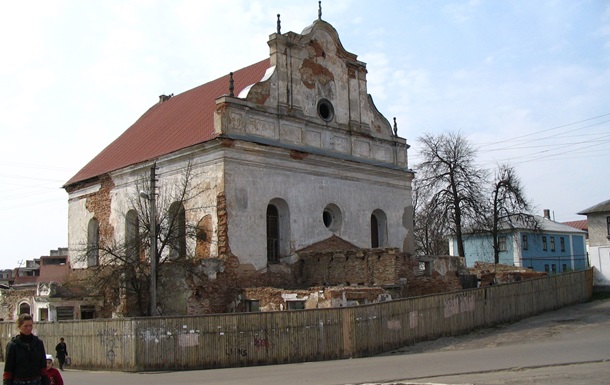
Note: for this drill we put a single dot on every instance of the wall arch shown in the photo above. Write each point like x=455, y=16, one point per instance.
x=93, y=243
x=278, y=230
x=379, y=229
x=132, y=236
x=176, y=231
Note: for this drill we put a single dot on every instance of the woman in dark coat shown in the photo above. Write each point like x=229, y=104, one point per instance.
x=26, y=362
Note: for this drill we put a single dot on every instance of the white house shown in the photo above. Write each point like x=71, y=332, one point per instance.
x=598, y=219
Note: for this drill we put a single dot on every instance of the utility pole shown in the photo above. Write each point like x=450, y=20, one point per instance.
x=153, y=240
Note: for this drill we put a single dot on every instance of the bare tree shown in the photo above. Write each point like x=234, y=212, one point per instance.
x=455, y=185
x=509, y=205
x=429, y=225
x=123, y=274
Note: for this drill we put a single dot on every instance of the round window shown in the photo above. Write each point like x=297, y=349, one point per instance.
x=326, y=110
x=331, y=216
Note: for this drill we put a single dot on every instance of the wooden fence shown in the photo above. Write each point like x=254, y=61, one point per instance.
x=230, y=340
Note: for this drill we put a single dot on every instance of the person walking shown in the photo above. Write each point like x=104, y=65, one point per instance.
x=26, y=362
x=53, y=373
x=61, y=352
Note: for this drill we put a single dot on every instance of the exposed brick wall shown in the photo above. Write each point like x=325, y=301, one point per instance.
x=99, y=204
x=322, y=279
x=490, y=273
x=223, y=232
x=11, y=299
x=204, y=237
x=369, y=267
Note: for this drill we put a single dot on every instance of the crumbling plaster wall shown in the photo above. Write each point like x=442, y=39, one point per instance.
x=11, y=299
x=110, y=198
x=308, y=68
x=256, y=175
x=352, y=159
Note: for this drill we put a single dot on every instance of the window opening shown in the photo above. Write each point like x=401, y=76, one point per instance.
x=552, y=243
x=524, y=241
x=562, y=243
x=24, y=308
x=87, y=312
x=273, y=234
x=544, y=248
x=326, y=110
x=374, y=232
x=65, y=313
x=502, y=243
x=177, y=231
x=43, y=314
x=331, y=217
x=132, y=235
x=295, y=305
x=378, y=229
x=93, y=239
x=252, y=305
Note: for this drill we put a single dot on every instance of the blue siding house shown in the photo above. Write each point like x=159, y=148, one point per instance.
x=555, y=248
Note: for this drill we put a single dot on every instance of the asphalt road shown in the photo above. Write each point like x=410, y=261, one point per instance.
x=568, y=346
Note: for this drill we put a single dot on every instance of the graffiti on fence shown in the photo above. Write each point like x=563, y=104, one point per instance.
x=234, y=348
x=262, y=343
x=109, y=339
x=237, y=345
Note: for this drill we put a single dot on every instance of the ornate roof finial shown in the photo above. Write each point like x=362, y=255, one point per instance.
x=279, y=25
x=319, y=10
x=395, y=127
x=231, y=87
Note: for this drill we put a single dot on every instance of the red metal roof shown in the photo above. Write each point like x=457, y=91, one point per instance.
x=182, y=121
x=581, y=225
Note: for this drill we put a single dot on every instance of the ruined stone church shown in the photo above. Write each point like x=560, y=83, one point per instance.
x=289, y=161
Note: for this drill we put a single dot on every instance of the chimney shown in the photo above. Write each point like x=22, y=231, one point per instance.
x=164, y=98
x=547, y=214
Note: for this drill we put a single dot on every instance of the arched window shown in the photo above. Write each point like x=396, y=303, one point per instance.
x=132, y=236
x=273, y=234
x=93, y=243
x=177, y=231
x=24, y=308
x=374, y=232
x=278, y=230
x=378, y=229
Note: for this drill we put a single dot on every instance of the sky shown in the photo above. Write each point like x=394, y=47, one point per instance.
x=527, y=82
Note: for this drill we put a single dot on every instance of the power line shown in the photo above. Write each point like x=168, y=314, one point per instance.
x=549, y=129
